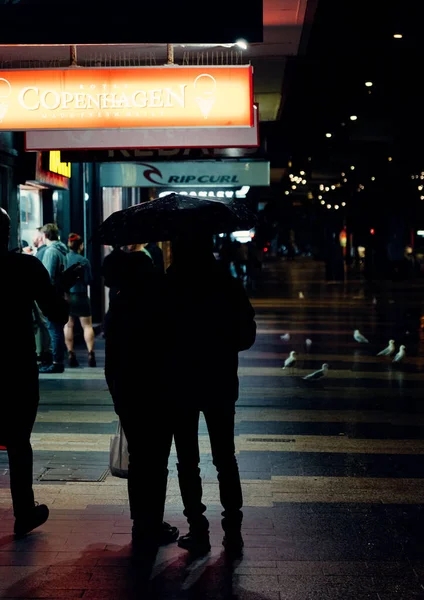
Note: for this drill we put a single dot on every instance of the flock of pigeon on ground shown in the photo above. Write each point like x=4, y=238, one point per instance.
x=290, y=362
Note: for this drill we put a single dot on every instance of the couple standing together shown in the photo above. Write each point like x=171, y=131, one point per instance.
x=172, y=344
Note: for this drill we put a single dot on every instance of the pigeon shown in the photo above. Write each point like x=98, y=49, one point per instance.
x=400, y=355
x=290, y=361
x=285, y=337
x=308, y=343
x=317, y=374
x=358, y=337
x=301, y=296
x=389, y=350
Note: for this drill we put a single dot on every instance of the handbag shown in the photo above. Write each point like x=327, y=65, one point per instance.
x=118, y=456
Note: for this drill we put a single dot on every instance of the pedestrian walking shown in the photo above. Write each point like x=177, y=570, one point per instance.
x=24, y=281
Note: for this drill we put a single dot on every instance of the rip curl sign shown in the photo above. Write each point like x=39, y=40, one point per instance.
x=169, y=97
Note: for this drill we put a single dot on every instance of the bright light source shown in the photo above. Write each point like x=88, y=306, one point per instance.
x=353, y=118
x=343, y=174
x=343, y=203
x=242, y=44
x=337, y=207
x=352, y=167
x=333, y=187
x=327, y=189
x=398, y=36
x=319, y=197
x=294, y=187
x=328, y=205
x=287, y=192
x=368, y=84
x=321, y=187
x=329, y=135
x=302, y=172
x=420, y=187
x=390, y=159
x=345, y=180
x=322, y=201
x=421, y=197
x=304, y=181
x=372, y=178
x=241, y=193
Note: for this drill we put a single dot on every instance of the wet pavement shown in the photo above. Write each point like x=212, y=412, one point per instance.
x=331, y=469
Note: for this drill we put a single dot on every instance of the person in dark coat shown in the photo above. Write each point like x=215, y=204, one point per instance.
x=212, y=320
x=24, y=282
x=136, y=335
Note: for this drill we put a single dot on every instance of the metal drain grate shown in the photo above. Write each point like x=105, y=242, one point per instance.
x=89, y=474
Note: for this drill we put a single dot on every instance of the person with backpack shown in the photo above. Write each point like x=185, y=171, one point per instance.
x=54, y=260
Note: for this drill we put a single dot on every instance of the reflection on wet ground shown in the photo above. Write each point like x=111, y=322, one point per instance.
x=332, y=469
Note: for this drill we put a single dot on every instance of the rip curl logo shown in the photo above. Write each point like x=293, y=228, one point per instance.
x=5, y=92
x=151, y=170
x=205, y=86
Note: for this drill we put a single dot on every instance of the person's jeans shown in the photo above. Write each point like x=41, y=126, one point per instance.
x=57, y=337
x=19, y=416
x=220, y=423
x=149, y=437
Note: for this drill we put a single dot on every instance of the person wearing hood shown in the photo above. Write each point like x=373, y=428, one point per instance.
x=54, y=260
x=136, y=371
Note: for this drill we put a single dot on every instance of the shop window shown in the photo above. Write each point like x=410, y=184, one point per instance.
x=30, y=213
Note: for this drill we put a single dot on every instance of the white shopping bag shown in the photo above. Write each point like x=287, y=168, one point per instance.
x=118, y=459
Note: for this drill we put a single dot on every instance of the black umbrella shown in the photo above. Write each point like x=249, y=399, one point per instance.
x=174, y=215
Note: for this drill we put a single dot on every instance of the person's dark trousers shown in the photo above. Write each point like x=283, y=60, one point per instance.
x=19, y=415
x=149, y=437
x=220, y=423
x=57, y=337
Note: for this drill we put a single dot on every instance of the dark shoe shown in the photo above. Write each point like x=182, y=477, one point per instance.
x=72, y=360
x=233, y=544
x=196, y=544
x=36, y=517
x=53, y=368
x=92, y=359
x=45, y=358
x=168, y=535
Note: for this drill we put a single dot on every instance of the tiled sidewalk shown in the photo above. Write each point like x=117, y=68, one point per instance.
x=332, y=472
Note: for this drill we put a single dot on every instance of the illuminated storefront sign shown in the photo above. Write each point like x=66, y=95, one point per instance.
x=191, y=137
x=188, y=174
x=137, y=154
x=50, y=171
x=227, y=194
x=164, y=97
x=57, y=166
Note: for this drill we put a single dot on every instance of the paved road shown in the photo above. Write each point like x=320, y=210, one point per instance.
x=332, y=470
